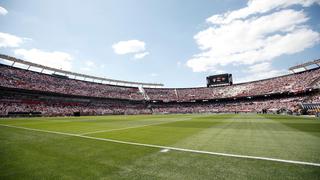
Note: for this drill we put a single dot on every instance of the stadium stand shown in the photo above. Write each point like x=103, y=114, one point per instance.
x=12, y=77
x=25, y=92
x=293, y=83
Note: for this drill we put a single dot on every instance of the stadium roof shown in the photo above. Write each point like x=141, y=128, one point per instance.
x=305, y=65
x=84, y=76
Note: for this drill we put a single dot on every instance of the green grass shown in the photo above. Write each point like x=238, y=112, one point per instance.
x=26, y=154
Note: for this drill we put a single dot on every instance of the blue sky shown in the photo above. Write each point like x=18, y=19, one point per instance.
x=175, y=42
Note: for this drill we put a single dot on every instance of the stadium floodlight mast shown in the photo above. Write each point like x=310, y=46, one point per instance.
x=84, y=76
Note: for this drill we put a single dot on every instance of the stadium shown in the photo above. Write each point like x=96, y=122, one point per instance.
x=60, y=123
x=28, y=93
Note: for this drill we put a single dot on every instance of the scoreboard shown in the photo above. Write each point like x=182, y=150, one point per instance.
x=219, y=80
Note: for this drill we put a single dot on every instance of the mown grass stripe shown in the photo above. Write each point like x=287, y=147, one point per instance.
x=132, y=127
x=171, y=148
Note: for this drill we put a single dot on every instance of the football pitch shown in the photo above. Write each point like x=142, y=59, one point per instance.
x=224, y=146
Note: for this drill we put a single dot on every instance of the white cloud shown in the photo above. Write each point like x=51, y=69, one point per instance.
x=257, y=7
x=135, y=47
x=260, y=67
x=9, y=40
x=261, y=71
x=55, y=59
x=141, y=55
x=3, y=11
x=127, y=47
x=254, y=39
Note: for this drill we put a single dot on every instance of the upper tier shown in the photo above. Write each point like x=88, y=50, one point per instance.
x=297, y=82
x=24, y=79
x=13, y=77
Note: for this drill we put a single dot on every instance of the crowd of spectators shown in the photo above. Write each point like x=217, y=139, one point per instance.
x=97, y=107
x=179, y=100
x=24, y=79
x=68, y=109
x=293, y=83
x=290, y=104
x=27, y=105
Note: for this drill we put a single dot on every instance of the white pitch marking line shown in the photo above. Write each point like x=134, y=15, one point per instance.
x=165, y=150
x=170, y=148
x=132, y=127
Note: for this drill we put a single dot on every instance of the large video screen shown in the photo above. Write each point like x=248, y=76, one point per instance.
x=221, y=79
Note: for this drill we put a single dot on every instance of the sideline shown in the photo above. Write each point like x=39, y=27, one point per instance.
x=170, y=148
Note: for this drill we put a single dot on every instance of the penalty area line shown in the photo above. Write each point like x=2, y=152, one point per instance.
x=168, y=147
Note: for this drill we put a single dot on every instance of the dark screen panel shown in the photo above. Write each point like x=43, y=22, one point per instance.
x=219, y=79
